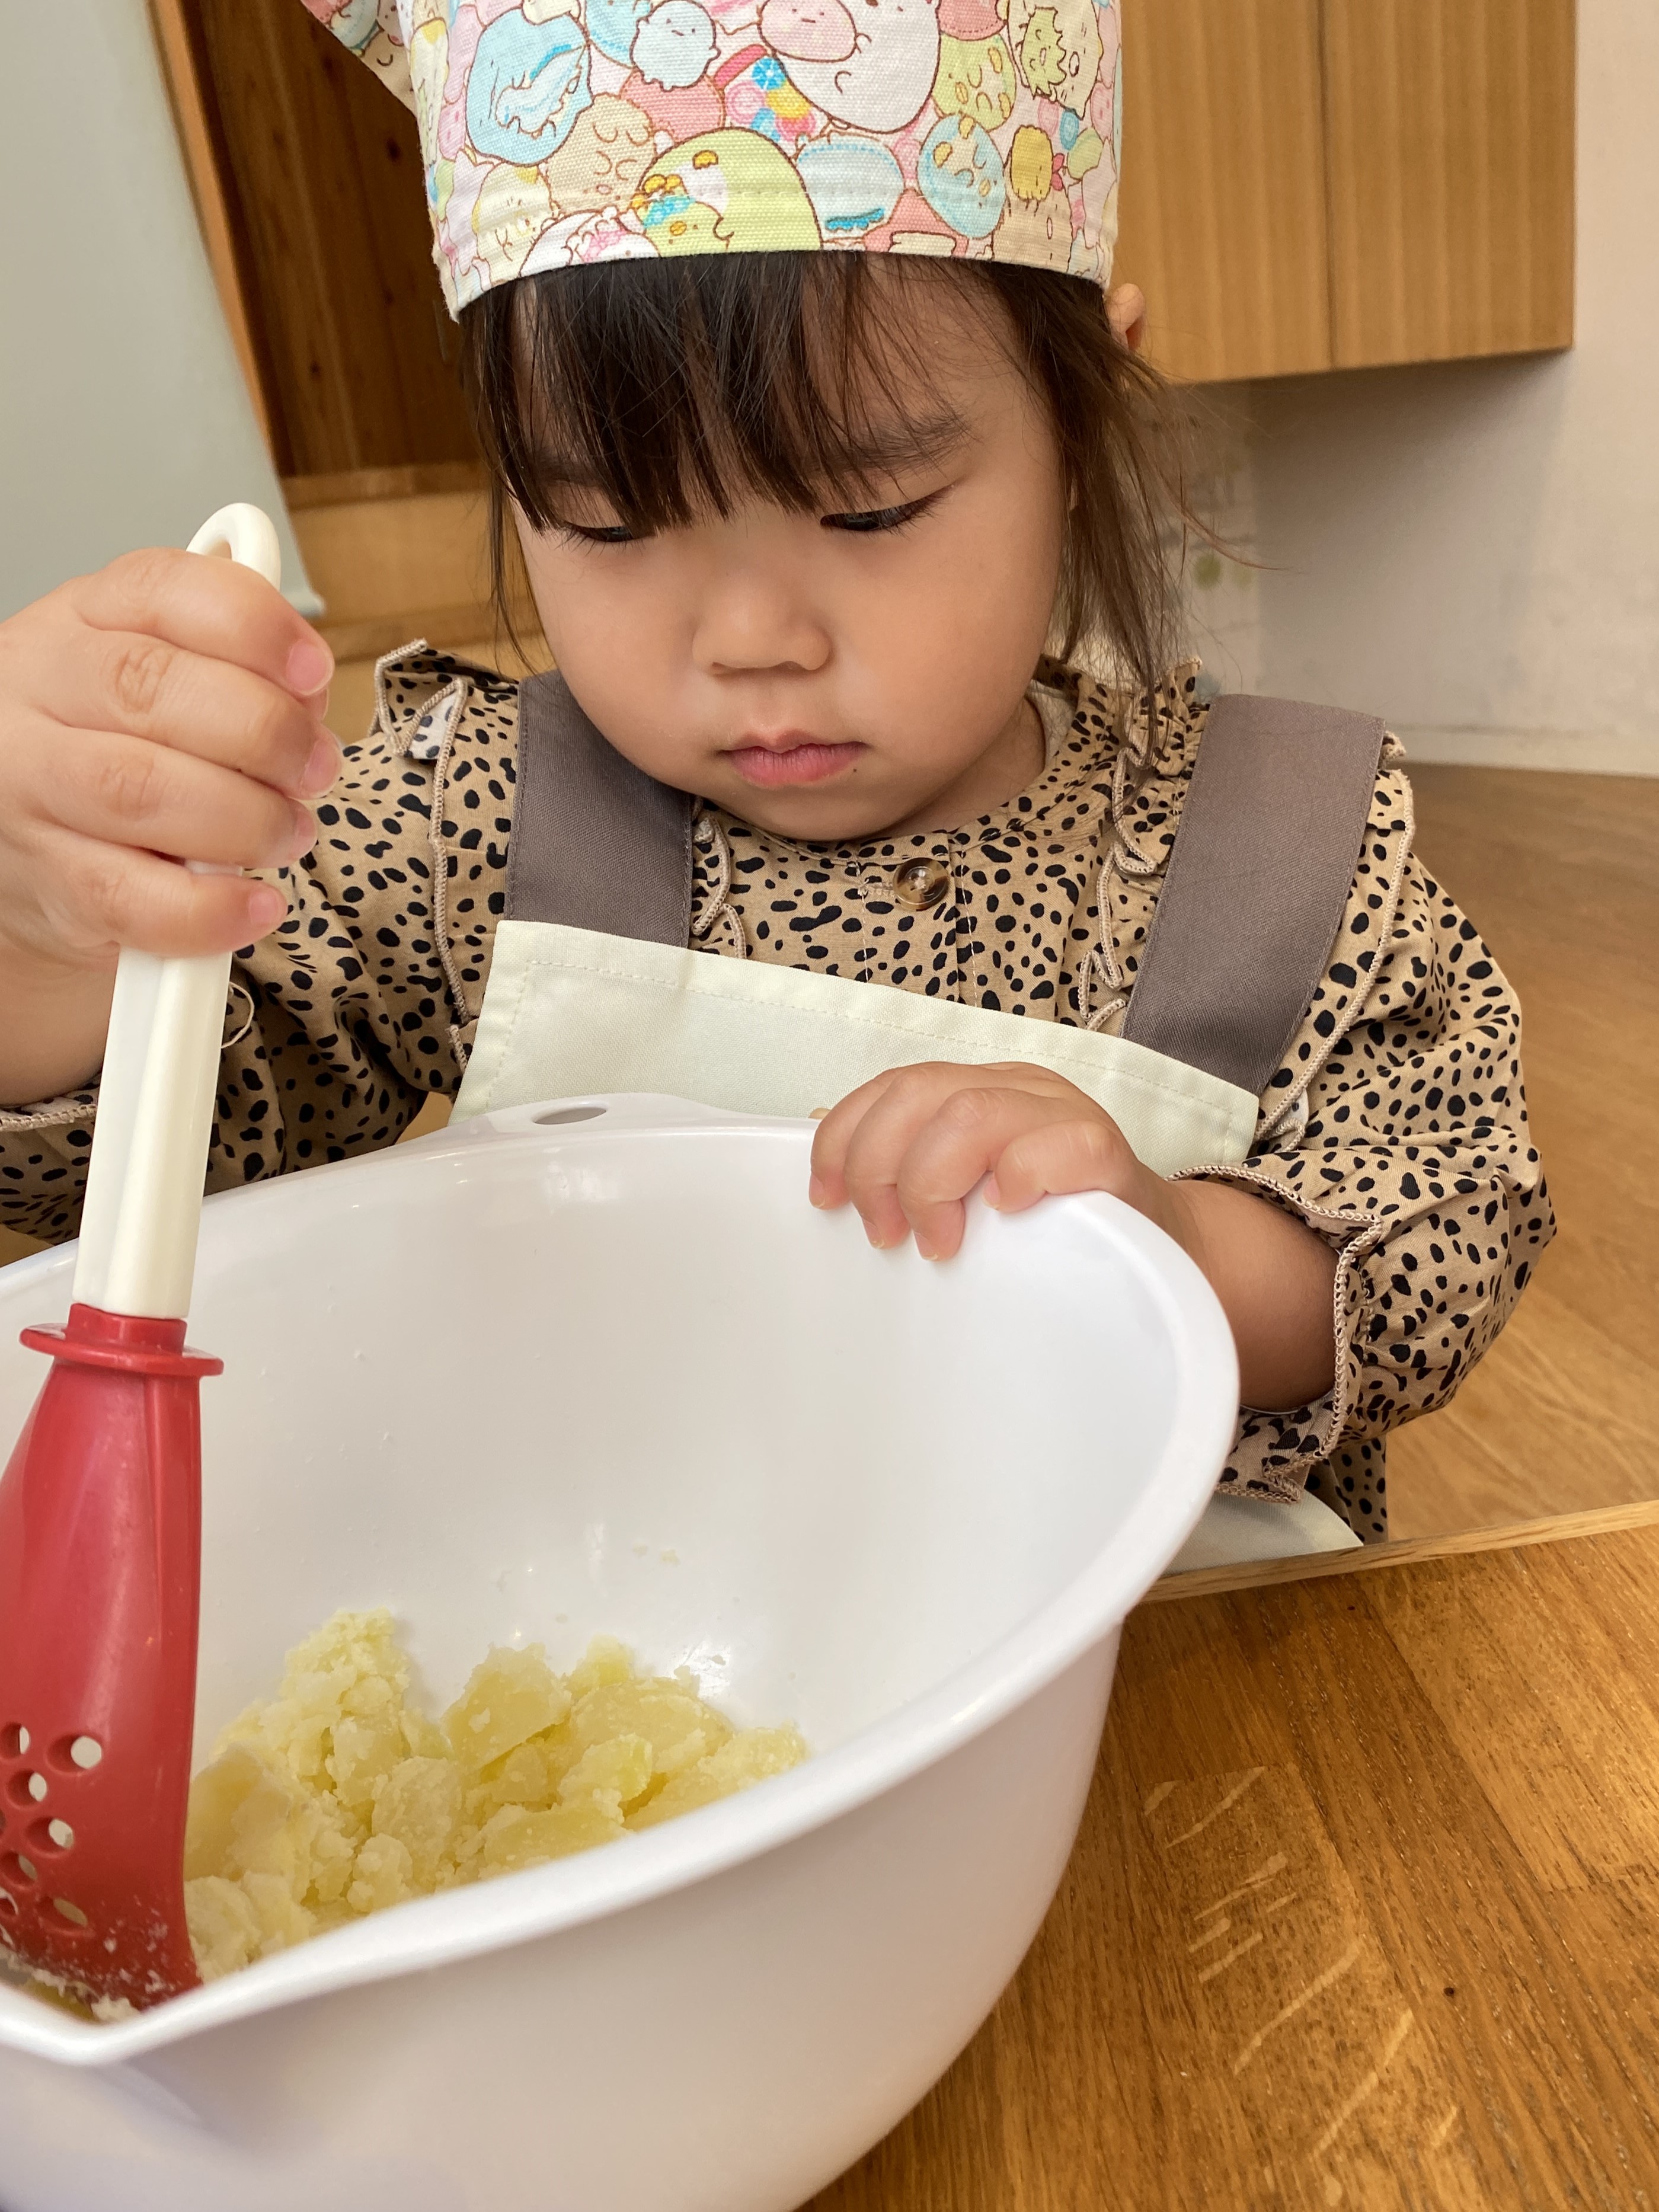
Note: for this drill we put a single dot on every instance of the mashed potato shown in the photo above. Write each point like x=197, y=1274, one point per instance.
x=339, y=1798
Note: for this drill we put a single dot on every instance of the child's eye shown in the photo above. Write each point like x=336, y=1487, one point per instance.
x=879, y=518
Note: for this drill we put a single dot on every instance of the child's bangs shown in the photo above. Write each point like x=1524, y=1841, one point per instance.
x=676, y=387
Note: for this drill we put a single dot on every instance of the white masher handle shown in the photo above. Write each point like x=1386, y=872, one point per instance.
x=143, y=1203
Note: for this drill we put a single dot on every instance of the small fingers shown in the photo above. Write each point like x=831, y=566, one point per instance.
x=874, y=1145
x=920, y=1148
x=867, y=1147
x=213, y=608
x=952, y=1153
x=101, y=896
x=1065, y=1156
x=836, y=1125
x=146, y=687
x=123, y=791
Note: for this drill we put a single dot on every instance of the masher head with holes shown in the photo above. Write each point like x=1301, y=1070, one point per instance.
x=100, y=1571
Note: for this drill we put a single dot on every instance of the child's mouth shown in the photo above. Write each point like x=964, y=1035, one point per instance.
x=790, y=759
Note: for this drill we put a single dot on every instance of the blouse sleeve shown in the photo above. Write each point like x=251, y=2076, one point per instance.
x=1409, y=1150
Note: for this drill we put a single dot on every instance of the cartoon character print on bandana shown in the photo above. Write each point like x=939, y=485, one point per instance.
x=734, y=22
x=1037, y=232
x=727, y=191
x=961, y=176
x=674, y=45
x=1057, y=45
x=1092, y=258
x=354, y=23
x=976, y=79
x=512, y=209
x=671, y=52
x=564, y=131
x=371, y=29
x=1088, y=149
x=883, y=82
x=613, y=26
x=756, y=95
x=913, y=227
x=465, y=29
x=1038, y=223
x=601, y=162
x=1030, y=164
x=1106, y=100
x=1081, y=145
x=582, y=240
x=529, y=83
x=809, y=30
x=972, y=19
x=1105, y=126
x=853, y=184
x=429, y=73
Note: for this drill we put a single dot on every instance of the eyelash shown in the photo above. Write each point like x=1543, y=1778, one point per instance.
x=867, y=522
x=610, y=533
x=878, y=519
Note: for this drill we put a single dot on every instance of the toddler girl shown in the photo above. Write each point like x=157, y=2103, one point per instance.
x=808, y=817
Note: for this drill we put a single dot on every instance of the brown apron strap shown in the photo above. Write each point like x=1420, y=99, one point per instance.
x=1251, y=904
x=597, y=844
x=1253, y=898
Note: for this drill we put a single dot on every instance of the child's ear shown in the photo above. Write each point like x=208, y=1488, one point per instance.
x=1126, y=311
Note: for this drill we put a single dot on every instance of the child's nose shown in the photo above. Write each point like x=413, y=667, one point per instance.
x=751, y=619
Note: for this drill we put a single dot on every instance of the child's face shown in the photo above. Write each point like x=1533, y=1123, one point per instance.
x=832, y=675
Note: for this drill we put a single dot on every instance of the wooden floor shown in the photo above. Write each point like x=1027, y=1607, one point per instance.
x=1562, y=874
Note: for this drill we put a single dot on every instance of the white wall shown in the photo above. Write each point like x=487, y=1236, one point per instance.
x=1472, y=549
x=124, y=418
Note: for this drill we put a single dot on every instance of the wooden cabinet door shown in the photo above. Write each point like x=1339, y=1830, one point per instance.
x=1319, y=184
x=1450, y=159
x=1221, y=208
x=317, y=169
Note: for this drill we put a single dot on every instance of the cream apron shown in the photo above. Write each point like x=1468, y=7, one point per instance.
x=574, y=1006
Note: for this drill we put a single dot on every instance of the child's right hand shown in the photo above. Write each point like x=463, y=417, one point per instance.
x=170, y=707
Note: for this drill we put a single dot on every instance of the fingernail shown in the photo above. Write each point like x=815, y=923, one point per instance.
x=925, y=1248
x=265, y=908
x=310, y=665
x=992, y=1193
x=815, y=1191
x=305, y=833
x=322, y=768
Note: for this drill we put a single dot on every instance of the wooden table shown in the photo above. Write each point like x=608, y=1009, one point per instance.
x=1364, y=1912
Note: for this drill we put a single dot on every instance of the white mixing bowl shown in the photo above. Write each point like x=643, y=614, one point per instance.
x=599, y=1367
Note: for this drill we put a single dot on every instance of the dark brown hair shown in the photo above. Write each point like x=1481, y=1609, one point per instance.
x=673, y=386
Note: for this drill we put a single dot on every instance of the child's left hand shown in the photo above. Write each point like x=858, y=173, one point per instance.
x=909, y=1147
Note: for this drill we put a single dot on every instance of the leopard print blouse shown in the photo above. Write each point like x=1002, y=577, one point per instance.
x=1396, y=1127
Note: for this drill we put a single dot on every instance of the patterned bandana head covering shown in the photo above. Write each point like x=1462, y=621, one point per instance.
x=556, y=132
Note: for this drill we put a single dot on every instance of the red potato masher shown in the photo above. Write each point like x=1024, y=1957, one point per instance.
x=101, y=1505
